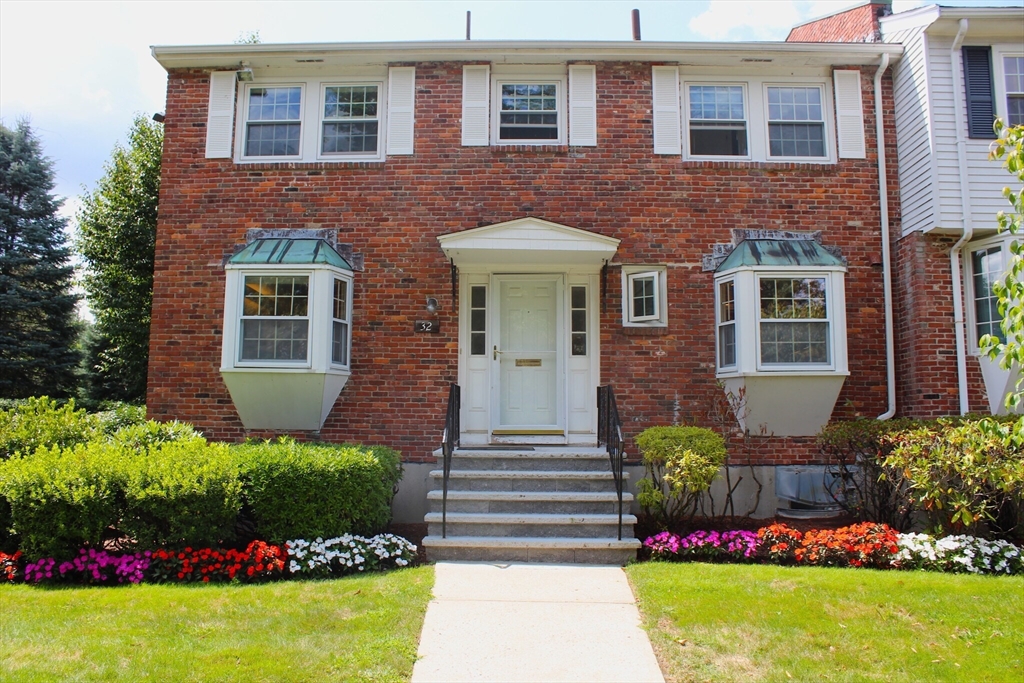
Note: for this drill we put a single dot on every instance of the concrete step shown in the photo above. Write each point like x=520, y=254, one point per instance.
x=538, y=525
x=540, y=460
x=526, y=549
x=566, y=502
x=525, y=480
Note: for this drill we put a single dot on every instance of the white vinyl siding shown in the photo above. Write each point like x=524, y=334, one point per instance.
x=915, y=146
x=476, y=105
x=220, y=115
x=583, y=105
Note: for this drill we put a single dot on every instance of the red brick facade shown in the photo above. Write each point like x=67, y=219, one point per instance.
x=856, y=25
x=663, y=209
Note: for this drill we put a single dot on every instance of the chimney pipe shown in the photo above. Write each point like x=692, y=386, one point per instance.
x=467, y=24
x=636, y=24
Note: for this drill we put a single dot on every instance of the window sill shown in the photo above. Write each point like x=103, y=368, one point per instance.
x=266, y=165
x=780, y=165
x=788, y=372
x=644, y=330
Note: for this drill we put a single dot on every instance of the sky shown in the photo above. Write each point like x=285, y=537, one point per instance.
x=80, y=71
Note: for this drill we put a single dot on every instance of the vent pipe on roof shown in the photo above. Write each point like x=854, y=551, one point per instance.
x=467, y=23
x=636, y=24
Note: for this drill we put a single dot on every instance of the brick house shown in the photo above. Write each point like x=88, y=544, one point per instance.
x=347, y=229
x=961, y=68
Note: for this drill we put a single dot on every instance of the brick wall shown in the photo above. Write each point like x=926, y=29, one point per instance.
x=856, y=25
x=665, y=211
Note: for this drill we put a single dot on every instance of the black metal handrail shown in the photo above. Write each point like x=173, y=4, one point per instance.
x=609, y=435
x=449, y=442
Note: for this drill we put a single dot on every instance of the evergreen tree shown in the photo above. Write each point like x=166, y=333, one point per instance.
x=117, y=238
x=37, y=309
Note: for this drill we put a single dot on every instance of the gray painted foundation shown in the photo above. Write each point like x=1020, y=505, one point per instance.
x=410, y=503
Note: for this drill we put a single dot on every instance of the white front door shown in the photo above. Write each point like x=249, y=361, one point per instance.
x=528, y=381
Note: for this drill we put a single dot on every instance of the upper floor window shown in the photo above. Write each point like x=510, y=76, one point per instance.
x=1013, y=74
x=718, y=121
x=273, y=121
x=528, y=111
x=796, y=122
x=351, y=119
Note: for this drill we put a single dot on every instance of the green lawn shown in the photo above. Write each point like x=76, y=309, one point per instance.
x=765, y=623
x=355, y=628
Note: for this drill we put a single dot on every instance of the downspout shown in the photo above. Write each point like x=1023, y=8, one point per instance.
x=968, y=223
x=883, y=210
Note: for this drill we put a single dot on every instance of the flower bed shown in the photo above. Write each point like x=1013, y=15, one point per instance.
x=860, y=545
x=260, y=561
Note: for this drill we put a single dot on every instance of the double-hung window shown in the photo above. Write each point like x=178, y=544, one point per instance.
x=275, y=319
x=273, y=121
x=351, y=119
x=793, y=321
x=341, y=330
x=528, y=111
x=726, y=323
x=717, y=120
x=796, y=121
x=1013, y=77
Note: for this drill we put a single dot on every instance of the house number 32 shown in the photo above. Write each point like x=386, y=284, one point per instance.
x=427, y=326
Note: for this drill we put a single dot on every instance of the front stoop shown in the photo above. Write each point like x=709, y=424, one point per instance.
x=554, y=504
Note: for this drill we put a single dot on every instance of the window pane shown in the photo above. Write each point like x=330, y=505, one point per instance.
x=1015, y=110
x=274, y=339
x=339, y=343
x=275, y=104
x=726, y=302
x=478, y=297
x=477, y=344
x=717, y=120
x=643, y=297
x=794, y=342
x=579, y=297
x=793, y=298
x=272, y=139
x=579, y=344
x=276, y=296
x=1014, y=70
x=727, y=345
x=579, y=321
x=987, y=267
x=796, y=139
x=478, y=320
x=349, y=137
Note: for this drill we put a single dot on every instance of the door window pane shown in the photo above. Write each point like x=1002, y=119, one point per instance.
x=578, y=296
x=477, y=320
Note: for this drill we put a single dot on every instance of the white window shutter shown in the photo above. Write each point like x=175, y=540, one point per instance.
x=849, y=115
x=476, y=81
x=667, y=122
x=401, y=109
x=583, y=105
x=220, y=117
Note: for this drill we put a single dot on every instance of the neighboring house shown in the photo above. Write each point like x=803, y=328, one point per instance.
x=961, y=68
x=346, y=229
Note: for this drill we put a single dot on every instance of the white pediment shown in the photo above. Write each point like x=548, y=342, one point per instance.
x=528, y=242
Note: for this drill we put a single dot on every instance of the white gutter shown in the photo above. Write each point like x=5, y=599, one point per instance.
x=968, y=225
x=883, y=210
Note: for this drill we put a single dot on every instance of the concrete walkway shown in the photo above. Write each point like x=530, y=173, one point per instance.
x=533, y=622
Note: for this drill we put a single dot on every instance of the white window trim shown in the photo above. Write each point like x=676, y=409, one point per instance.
x=829, y=318
x=348, y=321
x=999, y=76
x=1002, y=241
x=243, y=119
x=660, y=319
x=756, y=105
x=241, y=317
x=827, y=115
x=378, y=155
x=719, y=323
x=559, y=79
x=312, y=118
x=686, y=121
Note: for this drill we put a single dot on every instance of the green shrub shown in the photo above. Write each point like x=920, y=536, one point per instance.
x=116, y=416
x=62, y=499
x=298, y=490
x=43, y=422
x=965, y=473
x=681, y=464
x=180, y=493
x=149, y=433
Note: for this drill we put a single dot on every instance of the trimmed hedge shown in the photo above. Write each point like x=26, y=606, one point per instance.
x=38, y=422
x=298, y=490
